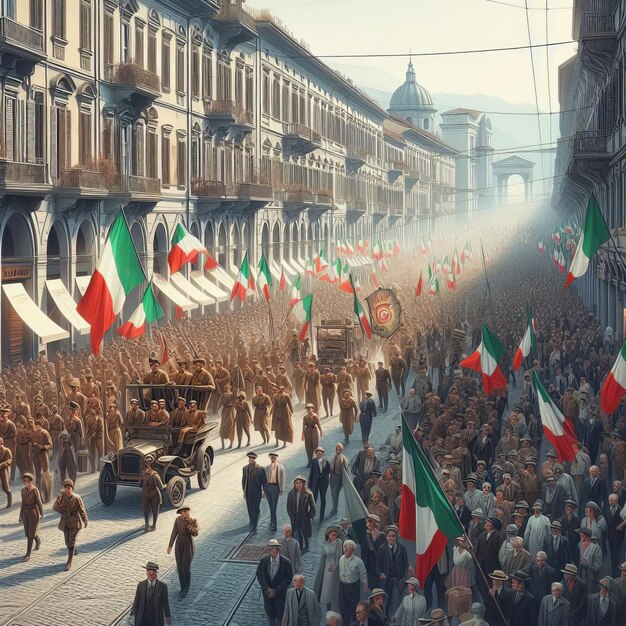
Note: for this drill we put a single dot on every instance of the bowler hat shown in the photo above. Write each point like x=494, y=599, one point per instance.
x=497, y=524
x=522, y=504
x=605, y=582
x=151, y=565
x=556, y=525
x=521, y=575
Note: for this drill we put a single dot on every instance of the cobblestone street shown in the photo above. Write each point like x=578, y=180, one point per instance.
x=100, y=587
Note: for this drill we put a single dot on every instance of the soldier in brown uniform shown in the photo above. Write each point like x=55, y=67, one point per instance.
x=151, y=498
x=243, y=418
x=283, y=379
x=135, y=415
x=73, y=517
x=20, y=408
x=221, y=377
x=6, y=460
x=202, y=378
x=195, y=420
x=185, y=529
x=348, y=414
x=281, y=417
x=56, y=427
x=182, y=376
x=227, y=423
x=74, y=426
x=398, y=369
x=363, y=377
x=298, y=376
x=312, y=386
x=23, y=441
x=30, y=513
x=93, y=437
x=328, y=381
x=66, y=458
x=152, y=414
x=114, y=425
x=248, y=377
x=89, y=387
x=344, y=381
x=262, y=405
x=76, y=397
x=8, y=432
x=163, y=417
x=156, y=376
x=40, y=449
x=179, y=414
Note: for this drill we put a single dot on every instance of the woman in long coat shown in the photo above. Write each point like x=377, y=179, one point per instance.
x=227, y=424
x=185, y=529
x=311, y=432
x=327, y=580
x=114, y=428
x=262, y=405
x=30, y=513
x=281, y=417
x=348, y=414
x=243, y=418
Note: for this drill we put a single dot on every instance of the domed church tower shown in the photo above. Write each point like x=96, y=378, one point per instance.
x=411, y=102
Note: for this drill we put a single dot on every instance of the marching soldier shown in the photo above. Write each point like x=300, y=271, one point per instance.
x=299, y=374
x=151, y=498
x=312, y=386
x=56, y=427
x=66, y=457
x=8, y=432
x=73, y=517
x=74, y=427
x=344, y=381
x=185, y=529
x=283, y=380
x=76, y=397
x=89, y=387
x=30, y=513
x=23, y=439
x=6, y=460
x=93, y=436
x=41, y=446
x=328, y=381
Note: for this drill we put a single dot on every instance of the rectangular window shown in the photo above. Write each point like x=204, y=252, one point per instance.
x=84, y=139
x=152, y=52
x=36, y=15
x=40, y=128
x=181, y=161
x=58, y=19
x=239, y=88
x=151, y=155
x=286, y=102
x=139, y=45
x=195, y=72
x=180, y=69
x=266, y=93
x=7, y=9
x=125, y=43
x=207, y=75
x=165, y=159
x=249, y=91
x=108, y=40
x=85, y=24
x=165, y=63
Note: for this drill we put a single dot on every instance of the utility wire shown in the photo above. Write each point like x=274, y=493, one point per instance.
x=517, y=6
x=549, y=88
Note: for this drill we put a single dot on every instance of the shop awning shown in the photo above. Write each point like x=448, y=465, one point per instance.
x=296, y=264
x=171, y=293
x=205, y=284
x=82, y=282
x=275, y=270
x=219, y=273
x=185, y=286
x=290, y=271
x=31, y=315
x=66, y=304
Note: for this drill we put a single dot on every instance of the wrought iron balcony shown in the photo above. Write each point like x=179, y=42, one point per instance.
x=80, y=178
x=250, y=191
x=234, y=25
x=22, y=41
x=208, y=188
x=139, y=187
x=356, y=207
x=133, y=81
x=590, y=143
x=22, y=177
x=226, y=110
x=299, y=139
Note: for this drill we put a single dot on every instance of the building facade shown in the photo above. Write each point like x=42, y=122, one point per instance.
x=193, y=112
x=591, y=153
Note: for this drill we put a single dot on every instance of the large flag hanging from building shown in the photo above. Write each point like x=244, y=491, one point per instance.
x=426, y=516
x=265, y=277
x=614, y=386
x=485, y=360
x=557, y=428
x=148, y=311
x=243, y=282
x=355, y=509
x=118, y=272
x=359, y=311
x=302, y=311
x=528, y=342
x=595, y=234
x=185, y=249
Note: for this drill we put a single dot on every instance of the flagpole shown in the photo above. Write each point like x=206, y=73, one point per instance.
x=493, y=315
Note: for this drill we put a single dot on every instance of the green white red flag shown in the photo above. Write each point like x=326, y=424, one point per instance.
x=118, y=272
x=345, y=281
x=185, y=249
x=595, y=234
x=361, y=245
x=243, y=282
x=426, y=516
x=377, y=251
x=336, y=267
x=148, y=311
x=295, y=295
x=614, y=386
x=433, y=282
x=282, y=284
x=556, y=427
x=302, y=311
x=485, y=360
x=528, y=343
x=265, y=277
x=396, y=248
x=418, y=290
x=210, y=263
x=360, y=312
x=355, y=509
x=349, y=248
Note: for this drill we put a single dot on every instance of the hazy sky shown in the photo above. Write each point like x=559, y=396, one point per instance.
x=397, y=26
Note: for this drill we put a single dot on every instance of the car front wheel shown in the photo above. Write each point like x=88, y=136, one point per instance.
x=204, y=472
x=176, y=489
x=105, y=485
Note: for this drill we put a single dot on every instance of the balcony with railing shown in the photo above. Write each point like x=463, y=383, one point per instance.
x=250, y=191
x=22, y=178
x=355, y=208
x=22, y=41
x=591, y=144
x=80, y=182
x=356, y=157
x=234, y=25
x=140, y=188
x=133, y=81
x=208, y=188
x=299, y=139
x=227, y=112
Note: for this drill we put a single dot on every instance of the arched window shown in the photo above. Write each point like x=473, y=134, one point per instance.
x=426, y=123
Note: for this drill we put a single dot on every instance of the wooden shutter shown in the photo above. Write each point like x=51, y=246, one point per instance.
x=165, y=65
x=10, y=128
x=151, y=155
x=180, y=69
x=165, y=159
x=152, y=51
x=68, y=139
x=139, y=46
x=85, y=25
x=54, y=145
x=140, y=151
x=35, y=14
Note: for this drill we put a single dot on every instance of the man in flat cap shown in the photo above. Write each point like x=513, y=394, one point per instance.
x=73, y=517
x=151, y=605
x=253, y=483
x=135, y=415
x=274, y=574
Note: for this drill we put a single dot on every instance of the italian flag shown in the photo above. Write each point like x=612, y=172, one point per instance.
x=396, y=248
x=528, y=342
x=309, y=268
x=426, y=516
x=418, y=290
x=377, y=251
x=485, y=360
x=355, y=509
x=451, y=281
x=349, y=248
x=265, y=277
x=302, y=312
x=148, y=311
x=360, y=246
x=295, y=295
x=336, y=270
x=557, y=428
x=283, y=281
x=185, y=249
x=433, y=282
x=210, y=264
x=360, y=312
x=243, y=282
x=595, y=234
x=456, y=265
x=320, y=262
x=345, y=280
x=118, y=272
x=614, y=386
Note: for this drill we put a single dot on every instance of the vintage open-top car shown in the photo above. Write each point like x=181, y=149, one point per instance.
x=175, y=463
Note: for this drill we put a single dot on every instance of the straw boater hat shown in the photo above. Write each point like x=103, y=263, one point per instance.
x=498, y=574
x=377, y=592
x=273, y=543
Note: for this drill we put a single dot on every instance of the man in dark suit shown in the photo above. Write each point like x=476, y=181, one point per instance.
x=301, y=510
x=151, y=606
x=487, y=550
x=591, y=433
x=570, y=523
x=553, y=496
x=367, y=413
x=523, y=611
x=498, y=600
x=601, y=607
x=593, y=488
x=383, y=385
x=274, y=574
x=575, y=590
x=542, y=576
x=614, y=534
x=319, y=479
x=392, y=568
x=369, y=553
x=463, y=513
x=558, y=549
x=253, y=483
x=554, y=609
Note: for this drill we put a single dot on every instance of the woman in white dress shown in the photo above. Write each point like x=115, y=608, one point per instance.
x=327, y=579
x=462, y=574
